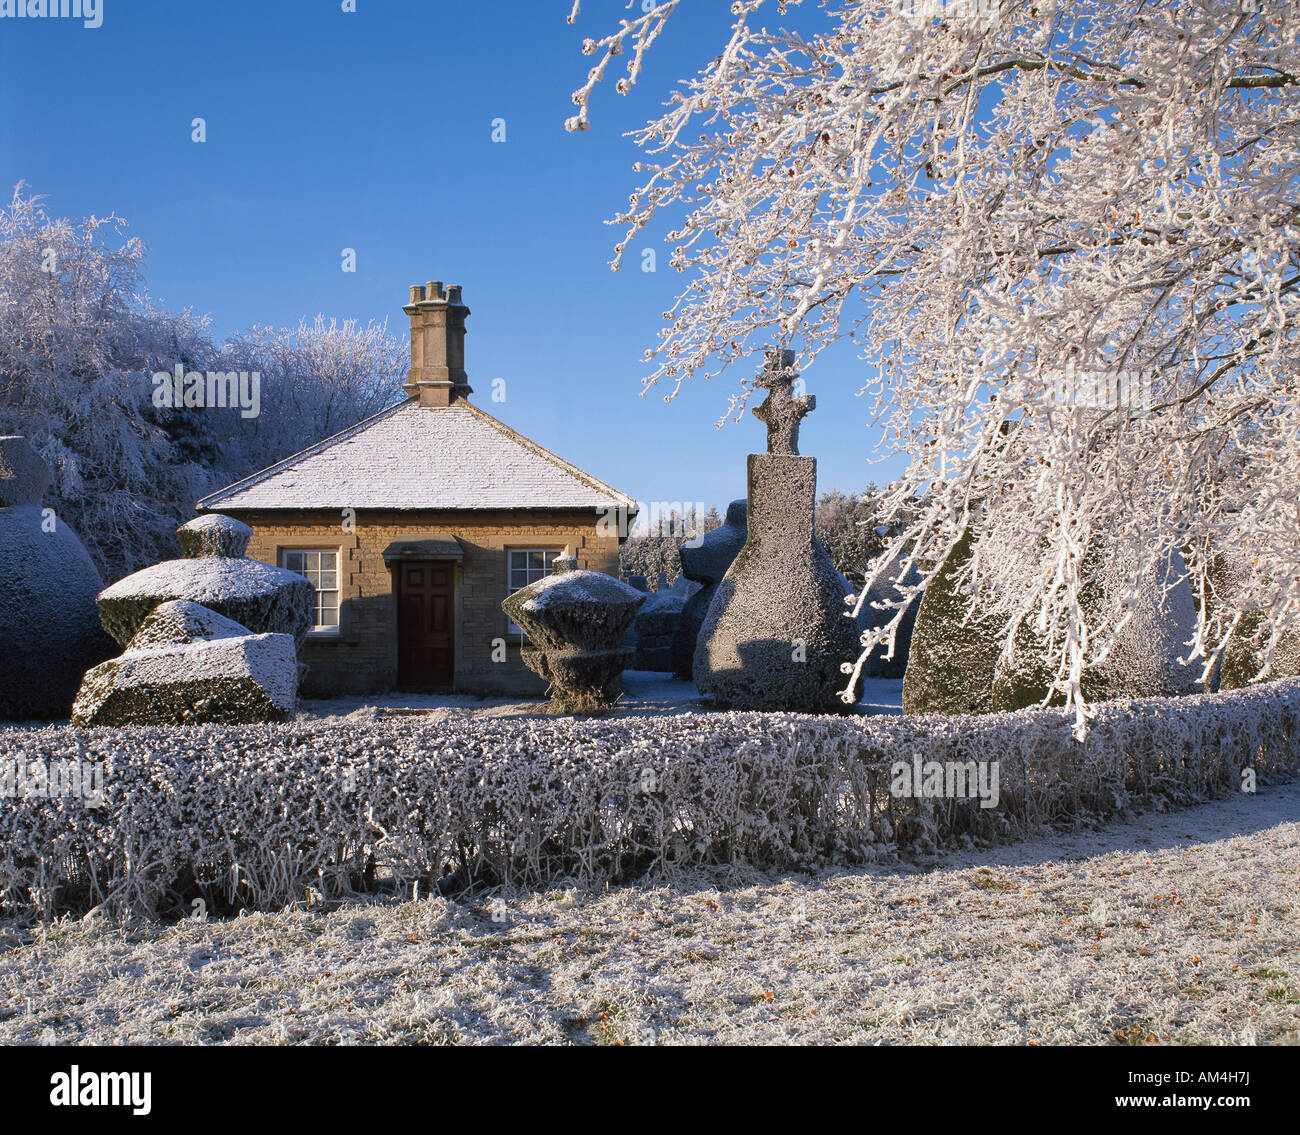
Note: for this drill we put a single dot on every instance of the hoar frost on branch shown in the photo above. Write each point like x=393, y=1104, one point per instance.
x=79, y=339
x=1064, y=237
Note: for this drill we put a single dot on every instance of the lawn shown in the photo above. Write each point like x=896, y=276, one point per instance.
x=1167, y=928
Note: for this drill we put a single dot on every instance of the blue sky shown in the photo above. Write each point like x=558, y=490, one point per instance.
x=372, y=130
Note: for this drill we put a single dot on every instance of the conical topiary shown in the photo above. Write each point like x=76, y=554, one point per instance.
x=952, y=658
x=705, y=563
x=1144, y=660
x=885, y=591
x=1243, y=657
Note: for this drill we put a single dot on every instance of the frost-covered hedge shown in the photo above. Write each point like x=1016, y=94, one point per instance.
x=260, y=815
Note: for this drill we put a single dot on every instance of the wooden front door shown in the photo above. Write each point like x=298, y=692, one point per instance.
x=426, y=631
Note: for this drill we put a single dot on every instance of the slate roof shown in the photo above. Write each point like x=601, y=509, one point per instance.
x=410, y=456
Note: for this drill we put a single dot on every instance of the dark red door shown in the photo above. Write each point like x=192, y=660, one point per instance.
x=426, y=639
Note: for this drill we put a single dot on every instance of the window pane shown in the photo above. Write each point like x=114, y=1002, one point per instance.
x=525, y=566
x=320, y=566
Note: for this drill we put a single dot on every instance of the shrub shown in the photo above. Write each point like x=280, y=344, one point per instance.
x=261, y=815
x=1243, y=657
x=954, y=651
x=1144, y=660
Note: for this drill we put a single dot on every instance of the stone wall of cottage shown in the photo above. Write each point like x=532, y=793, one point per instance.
x=361, y=657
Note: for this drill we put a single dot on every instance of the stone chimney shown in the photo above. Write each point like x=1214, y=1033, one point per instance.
x=437, y=376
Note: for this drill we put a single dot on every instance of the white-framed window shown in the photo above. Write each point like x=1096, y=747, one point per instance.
x=321, y=566
x=525, y=566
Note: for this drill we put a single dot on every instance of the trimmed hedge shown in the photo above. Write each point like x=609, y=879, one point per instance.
x=259, y=816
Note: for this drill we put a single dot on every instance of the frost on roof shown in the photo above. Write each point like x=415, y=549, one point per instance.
x=411, y=456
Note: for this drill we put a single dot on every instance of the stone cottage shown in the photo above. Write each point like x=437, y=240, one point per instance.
x=416, y=523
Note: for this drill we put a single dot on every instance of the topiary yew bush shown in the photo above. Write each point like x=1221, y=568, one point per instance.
x=954, y=651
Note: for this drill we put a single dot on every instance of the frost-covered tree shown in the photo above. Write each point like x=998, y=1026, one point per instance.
x=1081, y=217
x=79, y=342
x=853, y=531
x=846, y=524
x=656, y=537
x=317, y=379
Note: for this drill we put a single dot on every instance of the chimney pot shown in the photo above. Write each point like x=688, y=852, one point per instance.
x=437, y=376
